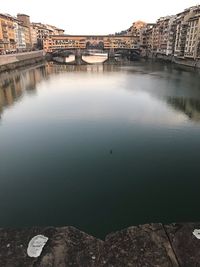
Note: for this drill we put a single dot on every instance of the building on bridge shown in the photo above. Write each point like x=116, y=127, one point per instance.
x=58, y=42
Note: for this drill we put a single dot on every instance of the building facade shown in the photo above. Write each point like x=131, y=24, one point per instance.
x=40, y=32
x=20, y=37
x=56, y=42
x=18, y=34
x=187, y=33
x=25, y=22
x=192, y=44
x=163, y=38
x=7, y=33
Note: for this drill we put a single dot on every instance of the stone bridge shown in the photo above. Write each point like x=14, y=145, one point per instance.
x=79, y=45
x=80, y=56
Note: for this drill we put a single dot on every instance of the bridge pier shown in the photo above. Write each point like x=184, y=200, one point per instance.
x=78, y=57
x=125, y=55
x=111, y=53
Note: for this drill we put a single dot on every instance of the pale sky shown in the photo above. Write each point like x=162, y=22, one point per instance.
x=94, y=17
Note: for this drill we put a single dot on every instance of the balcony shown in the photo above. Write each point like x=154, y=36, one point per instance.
x=12, y=41
x=4, y=41
x=5, y=35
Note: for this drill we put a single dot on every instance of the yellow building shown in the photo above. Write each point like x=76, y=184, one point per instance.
x=34, y=35
x=56, y=42
x=7, y=33
x=27, y=36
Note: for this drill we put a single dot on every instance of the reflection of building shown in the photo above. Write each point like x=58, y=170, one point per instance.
x=10, y=89
x=191, y=107
x=12, y=85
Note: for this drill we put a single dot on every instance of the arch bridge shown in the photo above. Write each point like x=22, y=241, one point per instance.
x=81, y=56
x=80, y=45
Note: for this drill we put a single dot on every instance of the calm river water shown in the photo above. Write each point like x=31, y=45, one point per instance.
x=99, y=147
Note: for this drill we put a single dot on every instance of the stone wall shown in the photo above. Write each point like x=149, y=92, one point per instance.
x=187, y=62
x=180, y=61
x=138, y=246
x=12, y=61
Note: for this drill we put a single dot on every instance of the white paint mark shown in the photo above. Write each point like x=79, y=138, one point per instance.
x=196, y=233
x=36, y=245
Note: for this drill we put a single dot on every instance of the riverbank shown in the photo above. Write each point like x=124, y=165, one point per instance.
x=144, y=245
x=13, y=61
x=176, y=60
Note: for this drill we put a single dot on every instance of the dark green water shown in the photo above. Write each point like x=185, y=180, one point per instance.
x=99, y=147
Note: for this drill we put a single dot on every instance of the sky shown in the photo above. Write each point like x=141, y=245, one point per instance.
x=94, y=17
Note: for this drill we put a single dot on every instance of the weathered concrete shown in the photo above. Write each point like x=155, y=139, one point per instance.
x=140, y=246
x=12, y=61
x=185, y=245
x=66, y=246
x=144, y=246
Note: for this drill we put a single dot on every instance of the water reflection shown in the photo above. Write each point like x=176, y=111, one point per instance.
x=68, y=121
x=179, y=90
x=190, y=107
x=13, y=85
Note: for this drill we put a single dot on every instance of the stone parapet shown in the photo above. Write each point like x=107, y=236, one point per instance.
x=144, y=245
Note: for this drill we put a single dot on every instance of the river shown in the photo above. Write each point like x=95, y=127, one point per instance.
x=99, y=147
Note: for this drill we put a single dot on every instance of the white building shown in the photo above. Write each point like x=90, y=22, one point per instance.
x=20, y=37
